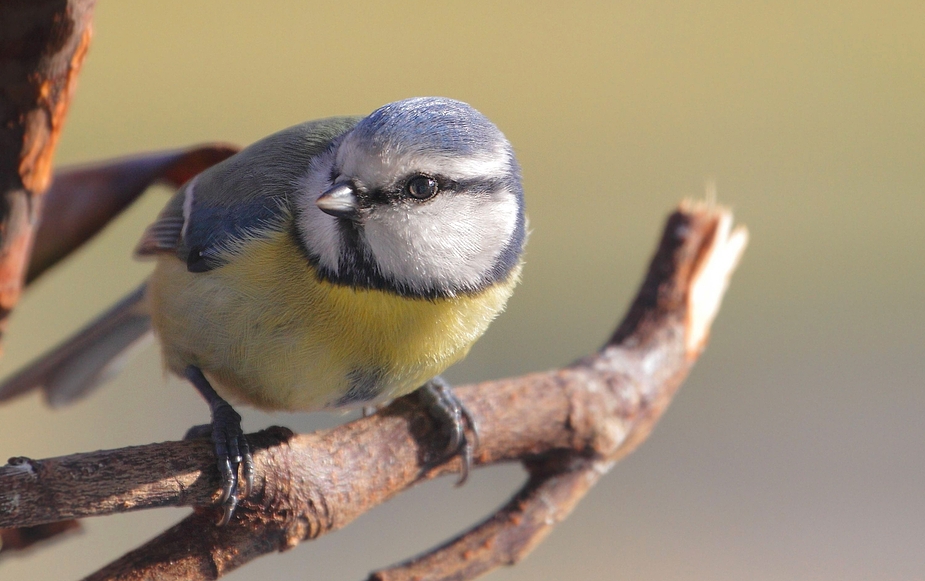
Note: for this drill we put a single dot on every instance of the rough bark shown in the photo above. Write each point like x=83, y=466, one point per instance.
x=568, y=426
x=42, y=47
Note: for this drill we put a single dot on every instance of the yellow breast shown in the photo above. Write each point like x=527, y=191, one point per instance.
x=266, y=330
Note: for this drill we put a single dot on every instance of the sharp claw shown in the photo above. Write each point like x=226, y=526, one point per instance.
x=234, y=455
x=247, y=472
x=473, y=428
x=452, y=416
x=227, y=511
x=238, y=459
x=466, y=457
x=229, y=479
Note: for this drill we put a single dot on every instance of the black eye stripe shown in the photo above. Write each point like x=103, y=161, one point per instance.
x=474, y=186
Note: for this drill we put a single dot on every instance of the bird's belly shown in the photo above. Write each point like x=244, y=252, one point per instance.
x=268, y=332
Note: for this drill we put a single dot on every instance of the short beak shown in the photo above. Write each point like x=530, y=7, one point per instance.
x=339, y=201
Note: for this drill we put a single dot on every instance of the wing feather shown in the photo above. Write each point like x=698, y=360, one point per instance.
x=235, y=200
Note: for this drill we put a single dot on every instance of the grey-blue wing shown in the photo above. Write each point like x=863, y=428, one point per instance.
x=247, y=193
x=197, y=227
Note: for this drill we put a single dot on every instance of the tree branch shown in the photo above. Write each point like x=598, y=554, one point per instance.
x=42, y=47
x=568, y=426
x=511, y=533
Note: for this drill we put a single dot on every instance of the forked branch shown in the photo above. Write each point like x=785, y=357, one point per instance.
x=568, y=426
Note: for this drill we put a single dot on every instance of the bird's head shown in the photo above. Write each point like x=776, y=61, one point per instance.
x=422, y=197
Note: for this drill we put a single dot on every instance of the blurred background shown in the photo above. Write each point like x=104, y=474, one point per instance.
x=796, y=448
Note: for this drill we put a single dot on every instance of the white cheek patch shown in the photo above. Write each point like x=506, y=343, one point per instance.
x=318, y=230
x=451, y=242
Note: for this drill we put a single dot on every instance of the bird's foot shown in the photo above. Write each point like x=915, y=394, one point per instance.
x=232, y=452
x=453, y=419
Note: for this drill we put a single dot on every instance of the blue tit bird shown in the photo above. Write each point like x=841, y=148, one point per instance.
x=337, y=263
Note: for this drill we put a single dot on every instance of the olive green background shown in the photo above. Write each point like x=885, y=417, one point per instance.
x=796, y=450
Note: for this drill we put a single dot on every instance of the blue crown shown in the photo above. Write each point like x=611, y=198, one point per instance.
x=434, y=124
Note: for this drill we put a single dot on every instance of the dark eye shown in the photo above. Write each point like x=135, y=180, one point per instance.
x=421, y=187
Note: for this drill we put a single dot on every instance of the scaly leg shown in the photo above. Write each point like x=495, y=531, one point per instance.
x=231, y=448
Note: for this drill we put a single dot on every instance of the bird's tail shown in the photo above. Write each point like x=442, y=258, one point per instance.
x=90, y=357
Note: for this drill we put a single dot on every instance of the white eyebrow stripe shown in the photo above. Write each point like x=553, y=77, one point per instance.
x=377, y=169
x=465, y=169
